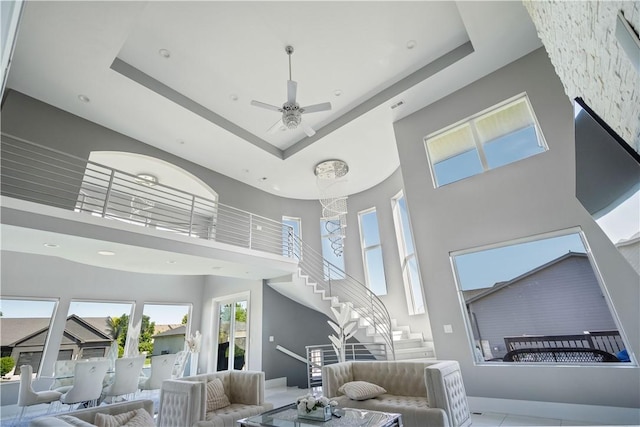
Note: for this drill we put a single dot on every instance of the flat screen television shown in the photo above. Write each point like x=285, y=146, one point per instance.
x=607, y=176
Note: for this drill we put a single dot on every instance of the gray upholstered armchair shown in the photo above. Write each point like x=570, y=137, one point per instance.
x=198, y=401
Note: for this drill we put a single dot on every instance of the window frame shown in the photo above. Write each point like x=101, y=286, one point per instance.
x=47, y=342
x=479, y=145
x=526, y=239
x=406, y=257
x=366, y=249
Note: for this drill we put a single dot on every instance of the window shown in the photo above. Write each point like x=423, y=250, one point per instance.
x=372, y=251
x=333, y=265
x=171, y=325
x=408, y=261
x=291, y=243
x=504, y=134
x=92, y=326
x=525, y=299
x=232, y=329
x=24, y=327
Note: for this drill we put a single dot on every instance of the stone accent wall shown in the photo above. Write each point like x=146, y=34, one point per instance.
x=579, y=37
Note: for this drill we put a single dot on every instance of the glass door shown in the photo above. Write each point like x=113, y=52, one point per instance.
x=232, y=329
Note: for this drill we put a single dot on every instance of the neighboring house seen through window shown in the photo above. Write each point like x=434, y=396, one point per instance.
x=505, y=133
x=24, y=331
x=527, y=300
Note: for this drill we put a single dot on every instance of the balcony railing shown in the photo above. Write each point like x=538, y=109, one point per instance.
x=43, y=175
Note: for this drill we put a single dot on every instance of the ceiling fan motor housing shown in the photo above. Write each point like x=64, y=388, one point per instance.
x=291, y=115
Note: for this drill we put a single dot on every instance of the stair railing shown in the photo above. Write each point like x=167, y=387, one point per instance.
x=346, y=289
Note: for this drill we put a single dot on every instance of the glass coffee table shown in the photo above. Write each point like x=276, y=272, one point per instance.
x=287, y=416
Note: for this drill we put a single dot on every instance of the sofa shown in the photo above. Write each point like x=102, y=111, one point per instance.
x=87, y=417
x=196, y=401
x=426, y=393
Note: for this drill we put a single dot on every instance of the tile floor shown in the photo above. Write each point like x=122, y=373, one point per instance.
x=281, y=396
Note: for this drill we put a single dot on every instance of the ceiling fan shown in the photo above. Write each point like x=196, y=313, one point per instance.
x=291, y=111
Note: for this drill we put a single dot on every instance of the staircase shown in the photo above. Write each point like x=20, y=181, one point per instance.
x=320, y=285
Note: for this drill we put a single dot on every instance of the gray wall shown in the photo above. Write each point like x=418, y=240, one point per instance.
x=293, y=326
x=563, y=299
x=529, y=197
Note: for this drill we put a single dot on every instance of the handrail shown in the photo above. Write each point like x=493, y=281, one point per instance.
x=336, y=283
x=40, y=174
x=322, y=355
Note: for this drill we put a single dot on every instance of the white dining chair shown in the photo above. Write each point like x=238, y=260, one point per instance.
x=87, y=382
x=161, y=368
x=127, y=374
x=181, y=362
x=63, y=375
x=28, y=397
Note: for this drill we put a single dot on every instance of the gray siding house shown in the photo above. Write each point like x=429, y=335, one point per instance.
x=561, y=297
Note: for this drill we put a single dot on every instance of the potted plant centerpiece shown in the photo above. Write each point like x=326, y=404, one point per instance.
x=314, y=408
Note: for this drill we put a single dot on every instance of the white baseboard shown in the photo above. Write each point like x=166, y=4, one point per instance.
x=563, y=411
x=275, y=383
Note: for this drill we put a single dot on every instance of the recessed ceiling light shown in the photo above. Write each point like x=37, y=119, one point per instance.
x=164, y=53
x=84, y=98
x=337, y=92
x=106, y=253
x=411, y=44
x=51, y=245
x=171, y=262
x=233, y=97
x=181, y=142
x=263, y=179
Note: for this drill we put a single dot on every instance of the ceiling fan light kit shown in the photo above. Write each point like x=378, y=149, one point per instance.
x=291, y=110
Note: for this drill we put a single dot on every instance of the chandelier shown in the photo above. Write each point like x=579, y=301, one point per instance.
x=329, y=175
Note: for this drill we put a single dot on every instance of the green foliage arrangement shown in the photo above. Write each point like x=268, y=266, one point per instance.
x=6, y=365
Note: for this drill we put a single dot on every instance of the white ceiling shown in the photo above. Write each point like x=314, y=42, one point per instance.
x=221, y=50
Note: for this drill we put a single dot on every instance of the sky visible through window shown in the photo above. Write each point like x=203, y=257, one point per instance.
x=485, y=268
x=161, y=314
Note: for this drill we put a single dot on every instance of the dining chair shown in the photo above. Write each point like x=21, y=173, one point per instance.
x=161, y=368
x=63, y=375
x=87, y=382
x=181, y=362
x=127, y=374
x=28, y=397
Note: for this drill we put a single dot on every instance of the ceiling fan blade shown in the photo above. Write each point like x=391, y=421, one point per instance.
x=275, y=127
x=267, y=106
x=307, y=129
x=292, y=89
x=316, y=108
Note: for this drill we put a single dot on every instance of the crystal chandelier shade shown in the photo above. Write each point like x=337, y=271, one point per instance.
x=330, y=174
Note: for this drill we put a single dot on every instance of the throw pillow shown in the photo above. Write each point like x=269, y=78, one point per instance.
x=106, y=420
x=216, y=398
x=361, y=390
x=74, y=421
x=142, y=419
